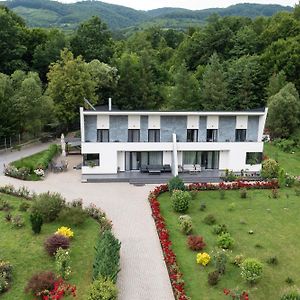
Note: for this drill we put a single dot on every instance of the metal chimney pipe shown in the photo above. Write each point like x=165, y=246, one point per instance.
x=109, y=104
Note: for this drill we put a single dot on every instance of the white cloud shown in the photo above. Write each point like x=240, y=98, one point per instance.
x=192, y=4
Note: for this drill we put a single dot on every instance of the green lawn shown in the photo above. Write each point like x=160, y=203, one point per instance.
x=275, y=223
x=288, y=161
x=26, y=253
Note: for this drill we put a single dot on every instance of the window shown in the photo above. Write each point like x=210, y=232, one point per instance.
x=103, y=135
x=192, y=135
x=212, y=135
x=133, y=135
x=253, y=158
x=240, y=135
x=191, y=158
x=91, y=160
x=153, y=135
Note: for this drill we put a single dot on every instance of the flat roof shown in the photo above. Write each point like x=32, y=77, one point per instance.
x=103, y=110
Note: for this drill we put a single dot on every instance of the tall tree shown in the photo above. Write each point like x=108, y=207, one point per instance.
x=12, y=41
x=93, y=40
x=69, y=83
x=214, y=85
x=284, y=112
x=185, y=93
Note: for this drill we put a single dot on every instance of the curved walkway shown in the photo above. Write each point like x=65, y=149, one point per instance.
x=143, y=273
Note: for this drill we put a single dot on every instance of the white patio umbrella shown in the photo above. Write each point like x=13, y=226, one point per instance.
x=63, y=145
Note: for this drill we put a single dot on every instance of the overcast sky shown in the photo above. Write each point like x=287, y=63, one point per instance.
x=190, y=4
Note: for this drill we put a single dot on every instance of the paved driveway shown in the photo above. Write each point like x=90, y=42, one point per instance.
x=143, y=273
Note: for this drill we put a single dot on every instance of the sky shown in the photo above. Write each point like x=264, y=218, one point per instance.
x=190, y=4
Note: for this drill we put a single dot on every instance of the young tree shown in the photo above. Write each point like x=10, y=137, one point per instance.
x=214, y=85
x=284, y=112
x=93, y=41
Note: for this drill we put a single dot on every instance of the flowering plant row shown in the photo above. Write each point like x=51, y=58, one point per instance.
x=60, y=290
x=163, y=234
x=235, y=185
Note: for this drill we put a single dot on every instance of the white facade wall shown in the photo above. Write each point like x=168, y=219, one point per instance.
x=134, y=122
x=192, y=122
x=154, y=122
x=102, y=122
x=241, y=122
x=212, y=122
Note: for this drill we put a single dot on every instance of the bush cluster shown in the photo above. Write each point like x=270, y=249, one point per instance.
x=196, y=242
x=72, y=216
x=54, y=242
x=270, y=169
x=107, y=257
x=220, y=229
x=176, y=183
x=103, y=289
x=5, y=276
x=209, y=219
x=40, y=282
x=48, y=205
x=186, y=224
x=225, y=241
x=180, y=201
x=251, y=270
x=36, y=221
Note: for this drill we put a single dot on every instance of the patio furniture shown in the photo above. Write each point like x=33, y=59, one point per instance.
x=154, y=169
x=144, y=169
x=167, y=169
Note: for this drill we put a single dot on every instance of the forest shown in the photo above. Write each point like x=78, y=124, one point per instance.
x=230, y=63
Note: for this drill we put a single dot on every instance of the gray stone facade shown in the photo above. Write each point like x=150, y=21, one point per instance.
x=173, y=124
x=118, y=128
x=144, y=129
x=252, y=131
x=202, y=129
x=227, y=127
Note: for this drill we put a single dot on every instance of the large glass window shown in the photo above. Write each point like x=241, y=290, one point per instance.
x=91, y=160
x=103, y=135
x=254, y=158
x=133, y=135
x=212, y=135
x=153, y=135
x=191, y=158
x=192, y=135
x=240, y=135
x=210, y=159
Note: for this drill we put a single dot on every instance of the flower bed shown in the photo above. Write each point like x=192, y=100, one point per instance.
x=175, y=275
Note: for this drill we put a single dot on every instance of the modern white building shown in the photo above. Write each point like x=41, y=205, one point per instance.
x=115, y=141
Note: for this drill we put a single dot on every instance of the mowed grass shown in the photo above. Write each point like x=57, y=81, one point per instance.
x=26, y=253
x=275, y=223
x=289, y=161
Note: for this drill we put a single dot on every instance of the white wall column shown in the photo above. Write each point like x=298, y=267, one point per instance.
x=175, y=156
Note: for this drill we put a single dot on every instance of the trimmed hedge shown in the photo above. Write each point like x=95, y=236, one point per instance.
x=39, y=160
x=107, y=258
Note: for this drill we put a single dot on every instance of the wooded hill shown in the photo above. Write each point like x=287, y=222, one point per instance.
x=46, y=13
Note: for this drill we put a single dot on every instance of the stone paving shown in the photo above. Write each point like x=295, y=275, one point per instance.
x=143, y=273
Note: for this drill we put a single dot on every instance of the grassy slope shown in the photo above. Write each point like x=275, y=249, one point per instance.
x=290, y=162
x=275, y=230
x=26, y=253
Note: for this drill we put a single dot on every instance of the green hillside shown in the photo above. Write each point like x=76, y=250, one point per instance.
x=45, y=13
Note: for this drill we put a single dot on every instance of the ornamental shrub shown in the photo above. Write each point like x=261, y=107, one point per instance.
x=24, y=206
x=48, y=205
x=203, y=258
x=176, y=183
x=186, y=224
x=213, y=278
x=107, y=257
x=272, y=260
x=237, y=260
x=251, y=270
x=63, y=263
x=103, y=289
x=36, y=221
x=180, y=201
x=209, y=219
x=220, y=260
x=40, y=282
x=220, y=229
x=17, y=221
x=54, y=242
x=243, y=193
x=72, y=216
x=225, y=241
x=65, y=231
x=202, y=206
x=281, y=178
x=195, y=242
x=270, y=169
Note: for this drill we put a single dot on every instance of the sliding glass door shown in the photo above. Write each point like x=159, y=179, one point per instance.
x=134, y=160
x=210, y=159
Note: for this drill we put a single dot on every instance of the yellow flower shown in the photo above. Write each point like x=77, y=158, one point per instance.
x=65, y=231
x=203, y=258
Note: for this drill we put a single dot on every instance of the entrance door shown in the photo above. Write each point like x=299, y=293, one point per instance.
x=133, y=161
x=210, y=159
